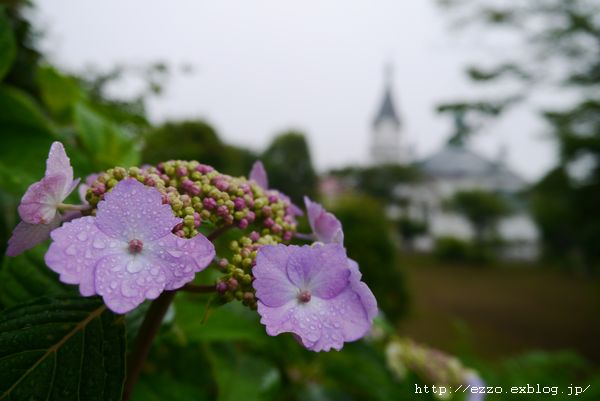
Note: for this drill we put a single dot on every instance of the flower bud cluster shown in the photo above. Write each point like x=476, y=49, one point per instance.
x=200, y=195
x=431, y=365
x=236, y=283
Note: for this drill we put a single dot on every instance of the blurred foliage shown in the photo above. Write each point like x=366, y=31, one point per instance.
x=410, y=229
x=559, y=369
x=289, y=166
x=561, y=53
x=455, y=250
x=379, y=181
x=482, y=209
x=195, y=140
x=368, y=237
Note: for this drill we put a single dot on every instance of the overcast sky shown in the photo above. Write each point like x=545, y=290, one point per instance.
x=263, y=66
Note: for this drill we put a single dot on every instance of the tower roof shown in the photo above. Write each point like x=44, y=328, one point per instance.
x=387, y=111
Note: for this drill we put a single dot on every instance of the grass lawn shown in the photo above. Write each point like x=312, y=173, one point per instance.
x=499, y=311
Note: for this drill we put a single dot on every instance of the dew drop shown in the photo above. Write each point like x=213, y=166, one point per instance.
x=71, y=250
x=133, y=266
x=98, y=243
x=82, y=236
x=175, y=253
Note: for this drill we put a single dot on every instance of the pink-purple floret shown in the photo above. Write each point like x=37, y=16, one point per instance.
x=313, y=293
x=127, y=253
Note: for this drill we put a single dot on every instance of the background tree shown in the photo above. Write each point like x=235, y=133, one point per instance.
x=483, y=210
x=195, y=140
x=289, y=165
x=561, y=55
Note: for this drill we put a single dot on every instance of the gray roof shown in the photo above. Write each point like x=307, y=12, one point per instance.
x=454, y=161
x=387, y=111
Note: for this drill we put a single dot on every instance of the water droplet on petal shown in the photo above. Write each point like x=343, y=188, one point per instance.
x=175, y=253
x=134, y=266
x=98, y=243
x=82, y=236
x=71, y=250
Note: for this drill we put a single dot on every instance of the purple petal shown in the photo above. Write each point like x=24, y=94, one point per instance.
x=325, y=225
x=182, y=258
x=302, y=320
x=133, y=211
x=319, y=324
x=25, y=236
x=344, y=319
x=295, y=210
x=76, y=249
x=322, y=269
x=258, y=174
x=125, y=281
x=272, y=285
x=364, y=292
x=58, y=163
x=38, y=205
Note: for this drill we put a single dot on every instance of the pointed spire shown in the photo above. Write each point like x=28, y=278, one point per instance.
x=387, y=111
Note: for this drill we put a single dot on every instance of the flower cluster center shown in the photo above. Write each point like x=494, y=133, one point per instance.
x=304, y=296
x=135, y=246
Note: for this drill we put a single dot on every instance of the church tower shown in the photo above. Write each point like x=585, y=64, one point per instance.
x=386, y=144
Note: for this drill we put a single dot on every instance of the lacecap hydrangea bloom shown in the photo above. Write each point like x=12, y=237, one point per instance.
x=144, y=230
x=127, y=253
x=315, y=293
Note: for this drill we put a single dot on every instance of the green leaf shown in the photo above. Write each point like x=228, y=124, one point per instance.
x=105, y=143
x=26, y=139
x=61, y=349
x=242, y=377
x=159, y=387
x=59, y=92
x=27, y=277
x=18, y=108
x=231, y=322
x=8, y=46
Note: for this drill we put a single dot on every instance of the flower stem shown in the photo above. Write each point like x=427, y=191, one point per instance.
x=218, y=232
x=67, y=207
x=198, y=288
x=148, y=330
x=306, y=237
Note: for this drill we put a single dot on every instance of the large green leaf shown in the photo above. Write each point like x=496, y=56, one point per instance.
x=242, y=377
x=61, y=349
x=160, y=387
x=27, y=277
x=8, y=46
x=26, y=139
x=231, y=322
x=59, y=92
x=105, y=143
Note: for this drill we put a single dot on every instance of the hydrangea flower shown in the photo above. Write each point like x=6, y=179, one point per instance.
x=127, y=253
x=326, y=227
x=314, y=292
x=39, y=206
x=258, y=174
x=40, y=203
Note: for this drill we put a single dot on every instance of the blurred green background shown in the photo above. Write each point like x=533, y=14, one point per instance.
x=513, y=322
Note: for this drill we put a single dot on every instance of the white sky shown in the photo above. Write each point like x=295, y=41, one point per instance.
x=262, y=66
